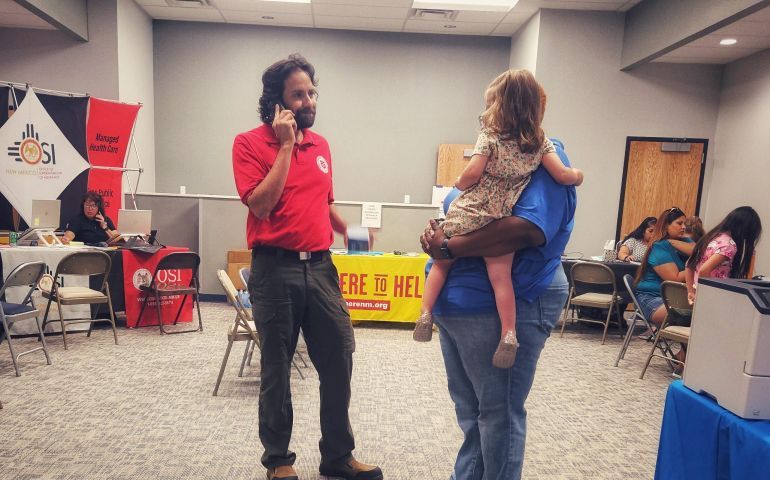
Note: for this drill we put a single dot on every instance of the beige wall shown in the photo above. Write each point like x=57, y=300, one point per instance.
x=741, y=157
x=524, y=45
x=593, y=107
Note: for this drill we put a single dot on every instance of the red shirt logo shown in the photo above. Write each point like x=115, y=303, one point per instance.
x=322, y=165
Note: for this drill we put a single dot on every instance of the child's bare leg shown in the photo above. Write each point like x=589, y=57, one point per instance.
x=423, y=328
x=499, y=271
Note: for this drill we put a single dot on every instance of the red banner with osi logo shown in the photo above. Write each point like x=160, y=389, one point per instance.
x=138, y=269
x=108, y=135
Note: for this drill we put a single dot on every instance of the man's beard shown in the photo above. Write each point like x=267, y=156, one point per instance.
x=305, y=118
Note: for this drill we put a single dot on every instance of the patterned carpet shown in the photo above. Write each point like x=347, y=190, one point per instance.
x=144, y=409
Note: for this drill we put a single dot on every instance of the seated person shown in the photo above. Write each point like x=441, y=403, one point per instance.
x=634, y=246
x=92, y=226
x=663, y=261
x=693, y=228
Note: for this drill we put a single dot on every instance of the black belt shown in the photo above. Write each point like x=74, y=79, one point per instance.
x=291, y=254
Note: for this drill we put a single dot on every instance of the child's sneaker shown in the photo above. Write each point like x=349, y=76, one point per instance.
x=505, y=354
x=423, y=328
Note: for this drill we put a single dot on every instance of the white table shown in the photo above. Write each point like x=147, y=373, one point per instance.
x=15, y=256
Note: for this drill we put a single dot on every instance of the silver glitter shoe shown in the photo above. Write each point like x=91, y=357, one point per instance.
x=505, y=355
x=423, y=328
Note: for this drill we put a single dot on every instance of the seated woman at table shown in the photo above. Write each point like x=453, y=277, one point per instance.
x=726, y=250
x=634, y=246
x=663, y=261
x=91, y=226
x=693, y=228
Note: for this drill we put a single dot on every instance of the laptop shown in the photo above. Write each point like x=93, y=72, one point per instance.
x=45, y=214
x=134, y=222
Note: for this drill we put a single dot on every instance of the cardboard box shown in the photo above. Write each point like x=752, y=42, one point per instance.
x=237, y=259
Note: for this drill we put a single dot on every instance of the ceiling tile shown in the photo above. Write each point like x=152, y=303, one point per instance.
x=581, y=5
x=263, y=6
x=256, y=18
x=378, y=3
x=460, y=28
x=391, y=24
x=480, y=17
x=328, y=9
x=760, y=16
x=712, y=41
x=185, y=13
x=745, y=27
x=516, y=18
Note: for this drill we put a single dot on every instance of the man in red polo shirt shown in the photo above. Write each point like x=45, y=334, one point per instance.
x=283, y=173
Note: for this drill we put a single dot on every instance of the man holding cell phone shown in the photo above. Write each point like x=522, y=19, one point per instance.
x=283, y=174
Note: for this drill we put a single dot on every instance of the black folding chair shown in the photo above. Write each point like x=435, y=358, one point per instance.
x=157, y=289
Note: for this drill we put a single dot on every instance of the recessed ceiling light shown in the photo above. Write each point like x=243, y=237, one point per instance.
x=728, y=41
x=450, y=26
x=267, y=17
x=470, y=5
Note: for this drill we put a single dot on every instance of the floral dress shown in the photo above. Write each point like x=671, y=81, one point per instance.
x=505, y=176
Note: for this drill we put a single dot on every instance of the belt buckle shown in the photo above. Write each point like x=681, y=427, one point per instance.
x=305, y=255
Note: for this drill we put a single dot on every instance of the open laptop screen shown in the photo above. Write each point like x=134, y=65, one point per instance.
x=134, y=222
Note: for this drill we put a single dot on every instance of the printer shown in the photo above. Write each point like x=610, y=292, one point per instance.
x=728, y=354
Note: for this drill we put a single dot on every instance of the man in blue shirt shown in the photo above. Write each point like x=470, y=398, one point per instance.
x=489, y=402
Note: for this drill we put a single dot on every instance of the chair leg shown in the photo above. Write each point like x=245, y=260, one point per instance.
x=157, y=312
x=301, y=376
x=112, y=315
x=63, y=328
x=566, y=309
x=251, y=352
x=607, y=324
x=45, y=316
x=181, y=306
x=627, y=340
x=649, y=357
x=42, y=340
x=7, y=332
x=245, y=355
x=222, y=368
x=198, y=308
x=141, y=310
x=301, y=358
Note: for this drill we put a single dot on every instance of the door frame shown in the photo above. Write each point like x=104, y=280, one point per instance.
x=704, y=156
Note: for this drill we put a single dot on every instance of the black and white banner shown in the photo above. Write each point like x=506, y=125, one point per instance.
x=42, y=153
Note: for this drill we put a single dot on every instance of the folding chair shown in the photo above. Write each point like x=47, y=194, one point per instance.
x=88, y=263
x=638, y=315
x=245, y=273
x=598, y=283
x=243, y=329
x=675, y=299
x=157, y=289
x=25, y=275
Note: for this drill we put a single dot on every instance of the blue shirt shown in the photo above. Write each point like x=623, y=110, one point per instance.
x=661, y=253
x=547, y=205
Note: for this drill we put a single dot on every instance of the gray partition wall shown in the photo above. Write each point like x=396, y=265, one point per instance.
x=211, y=225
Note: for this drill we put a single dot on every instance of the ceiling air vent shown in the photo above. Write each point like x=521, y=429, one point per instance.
x=434, y=14
x=188, y=3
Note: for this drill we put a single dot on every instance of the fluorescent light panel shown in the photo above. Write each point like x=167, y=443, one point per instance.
x=469, y=5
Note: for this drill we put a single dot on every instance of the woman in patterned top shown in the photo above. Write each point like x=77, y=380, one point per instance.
x=510, y=147
x=726, y=251
x=634, y=246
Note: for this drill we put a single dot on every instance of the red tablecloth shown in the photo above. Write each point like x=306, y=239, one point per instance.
x=138, y=269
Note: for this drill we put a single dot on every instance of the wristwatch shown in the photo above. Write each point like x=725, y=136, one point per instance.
x=445, y=249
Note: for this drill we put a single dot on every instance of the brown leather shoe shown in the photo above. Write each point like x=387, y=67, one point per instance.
x=352, y=469
x=284, y=472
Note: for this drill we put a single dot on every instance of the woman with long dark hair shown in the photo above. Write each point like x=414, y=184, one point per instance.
x=726, y=250
x=635, y=244
x=664, y=260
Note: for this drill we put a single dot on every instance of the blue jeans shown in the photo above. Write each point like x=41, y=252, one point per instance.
x=489, y=402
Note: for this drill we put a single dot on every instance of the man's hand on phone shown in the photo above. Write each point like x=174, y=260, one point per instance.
x=285, y=126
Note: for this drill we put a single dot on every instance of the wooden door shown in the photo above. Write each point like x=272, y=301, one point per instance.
x=660, y=173
x=451, y=162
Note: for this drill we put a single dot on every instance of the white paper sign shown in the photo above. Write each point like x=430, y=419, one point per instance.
x=371, y=215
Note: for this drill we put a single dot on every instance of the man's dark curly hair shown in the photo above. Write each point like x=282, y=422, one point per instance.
x=273, y=81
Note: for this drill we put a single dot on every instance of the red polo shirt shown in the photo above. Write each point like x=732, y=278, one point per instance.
x=300, y=219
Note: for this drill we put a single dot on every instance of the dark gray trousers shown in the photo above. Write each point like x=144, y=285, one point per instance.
x=288, y=294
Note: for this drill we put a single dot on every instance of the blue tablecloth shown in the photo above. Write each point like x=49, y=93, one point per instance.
x=701, y=440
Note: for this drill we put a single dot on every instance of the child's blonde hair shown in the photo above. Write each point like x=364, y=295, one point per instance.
x=515, y=108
